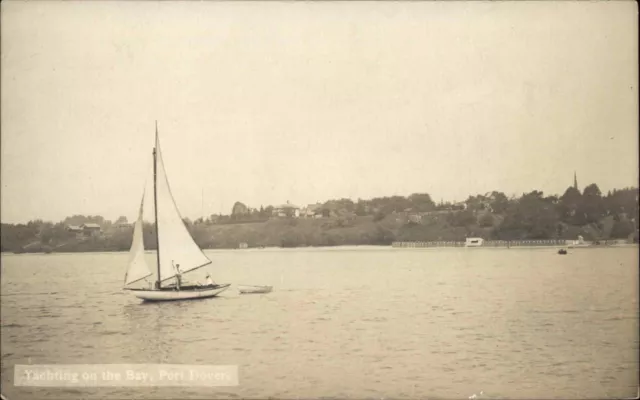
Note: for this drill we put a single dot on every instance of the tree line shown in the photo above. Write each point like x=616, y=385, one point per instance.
x=379, y=220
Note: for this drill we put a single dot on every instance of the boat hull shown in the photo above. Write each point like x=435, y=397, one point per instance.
x=246, y=289
x=184, y=294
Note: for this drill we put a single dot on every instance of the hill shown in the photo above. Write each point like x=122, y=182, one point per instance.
x=378, y=221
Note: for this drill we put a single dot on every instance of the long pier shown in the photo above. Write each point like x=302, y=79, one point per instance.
x=486, y=243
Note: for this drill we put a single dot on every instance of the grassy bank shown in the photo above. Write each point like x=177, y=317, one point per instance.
x=300, y=232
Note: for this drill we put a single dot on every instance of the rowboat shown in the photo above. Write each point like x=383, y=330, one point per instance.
x=246, y=289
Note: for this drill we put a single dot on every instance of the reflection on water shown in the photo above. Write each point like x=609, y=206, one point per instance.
x=358, y=323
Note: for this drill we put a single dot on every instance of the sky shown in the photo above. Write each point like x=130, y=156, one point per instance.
x=271, y=102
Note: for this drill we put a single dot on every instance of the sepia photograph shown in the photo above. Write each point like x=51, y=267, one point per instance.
x=319, y=200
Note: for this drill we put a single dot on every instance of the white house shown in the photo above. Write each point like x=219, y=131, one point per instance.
x=286, y=210
x=90, y=229
x=311, y=211
x=474, y=242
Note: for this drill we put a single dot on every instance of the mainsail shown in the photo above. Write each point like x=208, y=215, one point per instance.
x=138, y=268
x=175, y=244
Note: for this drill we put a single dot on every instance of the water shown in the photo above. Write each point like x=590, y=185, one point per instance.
x=343, y=323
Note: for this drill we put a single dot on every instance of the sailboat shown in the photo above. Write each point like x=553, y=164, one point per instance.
x=177, y=252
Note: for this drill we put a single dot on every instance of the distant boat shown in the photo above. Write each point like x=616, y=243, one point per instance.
x=177, y=252
x=474, y=242
x=246, y=289
x=562, y=251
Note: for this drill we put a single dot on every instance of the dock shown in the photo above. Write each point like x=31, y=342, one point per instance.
x=486, y=243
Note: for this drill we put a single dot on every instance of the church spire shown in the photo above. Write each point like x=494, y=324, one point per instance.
x=575, y=180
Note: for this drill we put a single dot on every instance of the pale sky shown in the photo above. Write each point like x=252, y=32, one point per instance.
x=269, y=102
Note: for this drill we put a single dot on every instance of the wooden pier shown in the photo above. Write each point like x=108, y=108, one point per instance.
x=486, y=243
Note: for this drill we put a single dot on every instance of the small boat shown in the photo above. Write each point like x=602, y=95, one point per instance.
x=177, y=252
x=246, y=289
x=562, y=251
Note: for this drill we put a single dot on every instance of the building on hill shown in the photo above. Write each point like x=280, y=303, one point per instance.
x=458, y=206
x=91, y=229
x=76, y=230
x=286, y=211
x=312, y=211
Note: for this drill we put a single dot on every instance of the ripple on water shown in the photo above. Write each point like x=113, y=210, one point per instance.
x=12, y=325
x=109, y=333
x=413, y=333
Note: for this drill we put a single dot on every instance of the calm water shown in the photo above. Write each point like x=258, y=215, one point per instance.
x=343, y=323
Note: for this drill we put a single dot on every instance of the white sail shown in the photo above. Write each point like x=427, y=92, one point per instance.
x=176, y=246
x=138, y=268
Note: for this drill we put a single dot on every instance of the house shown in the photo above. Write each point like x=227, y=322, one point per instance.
x=459, y=206
x=286, y=210
x=75, y=229
x=91, y=229
x=312, y=211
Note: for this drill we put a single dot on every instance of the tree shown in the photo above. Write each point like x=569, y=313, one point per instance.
x=531, y=217
x=592, y=205
x=361, y=208
x=476, y=203
x=379, y=216
x=486, y=220
x=421, y=202
x=82, y=219
x=560, y=229
x=382, y=236
x=592, y=190
x=391, y=204
x=239, y=210
x=621, y=229
x=568, y=206
x=622, y=201
x=499, y=202
x=461, y=218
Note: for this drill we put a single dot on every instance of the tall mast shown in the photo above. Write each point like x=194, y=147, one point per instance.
x=155, y=203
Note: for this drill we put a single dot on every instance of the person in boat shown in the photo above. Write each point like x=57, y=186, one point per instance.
x=210, y=281
x=178, y=275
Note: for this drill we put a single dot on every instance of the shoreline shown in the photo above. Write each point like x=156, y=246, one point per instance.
x=350, y=248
